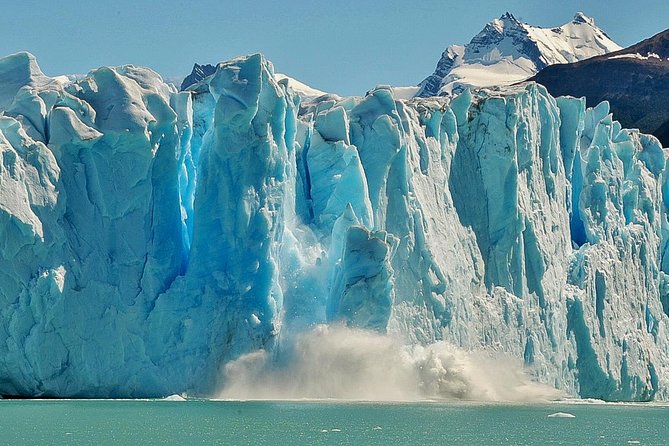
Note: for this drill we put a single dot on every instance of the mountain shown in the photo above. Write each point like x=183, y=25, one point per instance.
x=304, y=91
x=634, y=80
x=507, y=51
x=200, y=72
x=154, y=242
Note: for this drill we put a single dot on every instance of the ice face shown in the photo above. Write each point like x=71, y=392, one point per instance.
x=150, y=236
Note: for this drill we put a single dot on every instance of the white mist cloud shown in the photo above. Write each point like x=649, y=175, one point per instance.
x=341, y=363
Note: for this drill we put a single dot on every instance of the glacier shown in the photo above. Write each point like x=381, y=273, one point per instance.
x=149, y=236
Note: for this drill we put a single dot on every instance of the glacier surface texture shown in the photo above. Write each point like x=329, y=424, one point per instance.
x=148, y=236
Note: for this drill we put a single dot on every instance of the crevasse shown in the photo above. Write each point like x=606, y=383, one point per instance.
x=149, y=236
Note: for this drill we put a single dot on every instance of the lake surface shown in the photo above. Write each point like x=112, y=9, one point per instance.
x=324, y=423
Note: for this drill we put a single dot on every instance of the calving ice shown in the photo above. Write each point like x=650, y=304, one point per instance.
x=151, y=240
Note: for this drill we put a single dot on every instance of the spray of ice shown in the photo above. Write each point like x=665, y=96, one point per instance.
x=336, y=362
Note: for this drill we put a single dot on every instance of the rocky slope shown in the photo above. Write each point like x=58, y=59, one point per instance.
x=634, y=80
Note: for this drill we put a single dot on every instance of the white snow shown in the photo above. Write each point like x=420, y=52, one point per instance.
x=504, y=72
x=635, y=56
x=405, y=92
x=571, y=42
x=302, y=89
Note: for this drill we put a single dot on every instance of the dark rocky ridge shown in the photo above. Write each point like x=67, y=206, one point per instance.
x=636, y=88
x=199, y=72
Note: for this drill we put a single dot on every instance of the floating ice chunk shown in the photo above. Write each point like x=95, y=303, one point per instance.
x=561, y=415
x=254, y=320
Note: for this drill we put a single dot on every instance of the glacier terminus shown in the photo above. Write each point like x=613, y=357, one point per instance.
x=150, y=236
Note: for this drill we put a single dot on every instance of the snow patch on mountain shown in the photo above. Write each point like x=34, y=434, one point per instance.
x=303, y=90
x=636, y=56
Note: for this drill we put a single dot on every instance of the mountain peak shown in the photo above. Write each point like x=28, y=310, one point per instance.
x=199, y=72
x=580, y=17
x=508, y=17
x=506, y=21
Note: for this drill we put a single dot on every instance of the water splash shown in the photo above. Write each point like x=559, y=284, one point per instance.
x=335, y=362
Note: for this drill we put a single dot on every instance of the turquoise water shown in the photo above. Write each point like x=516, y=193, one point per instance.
x=323, y=423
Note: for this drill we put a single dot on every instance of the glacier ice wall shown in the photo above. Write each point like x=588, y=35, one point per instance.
x=149, y=236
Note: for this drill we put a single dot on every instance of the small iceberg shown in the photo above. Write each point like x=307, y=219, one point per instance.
x=561, y=415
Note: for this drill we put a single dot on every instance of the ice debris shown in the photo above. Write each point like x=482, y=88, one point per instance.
x=561, y=415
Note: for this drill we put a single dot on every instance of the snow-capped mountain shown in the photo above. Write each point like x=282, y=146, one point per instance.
x=507, y=51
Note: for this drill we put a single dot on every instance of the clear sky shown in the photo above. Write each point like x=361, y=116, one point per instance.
x=343, y=46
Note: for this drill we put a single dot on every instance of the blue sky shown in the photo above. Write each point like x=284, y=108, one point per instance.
x=344, y=46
